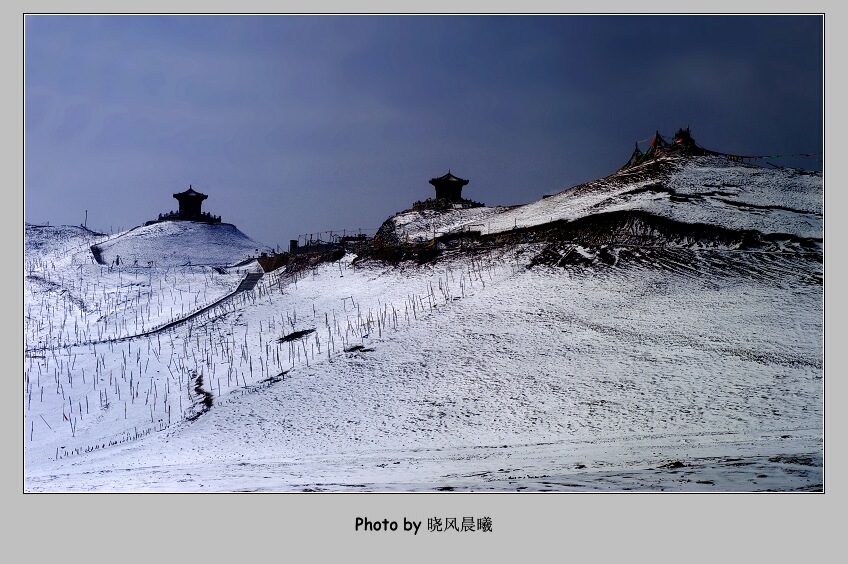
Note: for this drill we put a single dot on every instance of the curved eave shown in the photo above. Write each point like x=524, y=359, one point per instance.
x=448, y=178
x=190, y=194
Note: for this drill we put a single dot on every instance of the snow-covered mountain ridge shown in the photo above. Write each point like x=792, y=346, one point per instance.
x=695, y=190
x=656, y=330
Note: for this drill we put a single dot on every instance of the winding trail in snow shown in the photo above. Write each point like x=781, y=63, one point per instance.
x=248, y=283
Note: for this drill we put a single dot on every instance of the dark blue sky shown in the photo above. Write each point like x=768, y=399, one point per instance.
x=304, y=124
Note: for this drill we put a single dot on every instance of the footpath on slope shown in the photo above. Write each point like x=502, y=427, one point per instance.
x=248, y=283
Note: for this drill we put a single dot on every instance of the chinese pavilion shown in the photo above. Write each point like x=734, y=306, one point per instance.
x=190, y=202
x=449, y=187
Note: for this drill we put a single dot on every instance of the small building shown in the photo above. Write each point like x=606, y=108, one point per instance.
x=190, y=202
x=448, y=195
x=449, y=187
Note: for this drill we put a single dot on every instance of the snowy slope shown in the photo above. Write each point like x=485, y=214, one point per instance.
x=179, y=243
x=708, y=190
x=419, y=226
x=540, y=380
x=671, y=368
x=70, y=298
x=46, y=238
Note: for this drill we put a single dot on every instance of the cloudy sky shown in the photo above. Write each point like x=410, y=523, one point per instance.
x=309, y=124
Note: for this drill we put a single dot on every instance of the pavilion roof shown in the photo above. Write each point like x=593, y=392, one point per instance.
x=448, y=178
x=190, y=193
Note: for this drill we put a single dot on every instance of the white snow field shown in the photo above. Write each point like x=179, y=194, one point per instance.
x=530, y=365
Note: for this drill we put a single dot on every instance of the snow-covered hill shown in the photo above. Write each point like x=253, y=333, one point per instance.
x=166, y=271
x=50, y=239
x=659, y=329
x=692, y=190
x=181, y=243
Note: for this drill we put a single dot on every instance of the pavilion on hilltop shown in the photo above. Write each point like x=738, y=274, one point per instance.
x=190, y=203
x=449, y=187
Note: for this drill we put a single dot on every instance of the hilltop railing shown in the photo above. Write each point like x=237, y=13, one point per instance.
x=205, y=217
x=445, y=204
